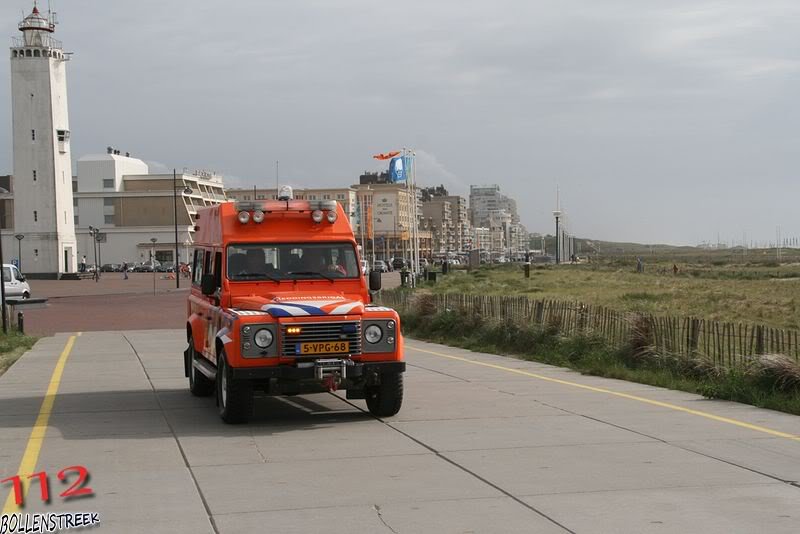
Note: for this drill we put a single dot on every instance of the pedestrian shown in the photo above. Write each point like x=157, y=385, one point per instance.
x=675, y=269
x=83, y=264
x=125, y=270
x=639, y=265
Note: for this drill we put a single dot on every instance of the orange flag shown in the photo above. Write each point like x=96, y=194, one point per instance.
x=388, y=155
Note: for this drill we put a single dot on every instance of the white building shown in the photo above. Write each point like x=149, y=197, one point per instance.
x=42, y=188
x=130, y=206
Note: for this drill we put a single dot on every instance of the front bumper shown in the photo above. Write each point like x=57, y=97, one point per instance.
x=289, y=372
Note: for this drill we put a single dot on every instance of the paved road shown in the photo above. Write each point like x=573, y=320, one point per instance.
x=483, y=444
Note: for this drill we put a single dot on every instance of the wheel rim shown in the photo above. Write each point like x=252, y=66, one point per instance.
x=223, y=385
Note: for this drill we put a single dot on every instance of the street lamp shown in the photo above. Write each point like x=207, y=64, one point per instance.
x=557, y=215
x=153, y=262
x=186, y=191
x=19, y=238
x=94, y=233
x=3, y=191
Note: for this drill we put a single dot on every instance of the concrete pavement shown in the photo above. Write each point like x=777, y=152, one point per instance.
x=483, y=444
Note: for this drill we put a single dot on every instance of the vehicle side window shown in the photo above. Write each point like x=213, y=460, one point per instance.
x=6, y=274
x=17, y=274
x=218, y=269
x=207, y=269
x=197, y=268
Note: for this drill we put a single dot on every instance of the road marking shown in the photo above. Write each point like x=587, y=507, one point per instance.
x=675, y=407
x=31, y=457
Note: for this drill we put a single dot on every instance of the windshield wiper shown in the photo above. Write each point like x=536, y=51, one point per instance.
x=255, y=276
x=312, y=273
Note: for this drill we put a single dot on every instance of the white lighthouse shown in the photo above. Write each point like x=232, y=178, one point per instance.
x=42, y=184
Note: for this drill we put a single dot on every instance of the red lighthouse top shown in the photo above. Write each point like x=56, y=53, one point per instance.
x=36, y=22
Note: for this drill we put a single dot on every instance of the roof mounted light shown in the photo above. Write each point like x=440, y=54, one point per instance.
x=328, y=205
x=332, y=217
x=244, y=217
x=258, y=216
x=285, y=193
x=316, y=216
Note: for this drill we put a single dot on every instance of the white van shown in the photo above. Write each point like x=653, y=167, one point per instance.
x=15, y=284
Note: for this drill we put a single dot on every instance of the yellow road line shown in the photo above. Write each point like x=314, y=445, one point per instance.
x=29, y=460
x=735, y=422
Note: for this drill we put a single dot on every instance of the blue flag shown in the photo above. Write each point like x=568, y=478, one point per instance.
x=397, y=169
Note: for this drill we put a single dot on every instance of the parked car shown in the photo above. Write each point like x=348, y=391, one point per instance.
x=14, y=281
x=147, y=267
x=165, y=267
x=399, y=263
x=380, y=266
x=111, y=268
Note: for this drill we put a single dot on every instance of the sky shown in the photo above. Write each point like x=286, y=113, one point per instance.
x=659, y=122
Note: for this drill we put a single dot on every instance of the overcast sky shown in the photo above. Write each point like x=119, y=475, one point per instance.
x=660, y=121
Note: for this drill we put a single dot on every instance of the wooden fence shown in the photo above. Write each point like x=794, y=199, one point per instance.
x=724, y=343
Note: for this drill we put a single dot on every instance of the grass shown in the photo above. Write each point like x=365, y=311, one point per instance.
x=775, y=387
x=12, y=346
x=747, y=292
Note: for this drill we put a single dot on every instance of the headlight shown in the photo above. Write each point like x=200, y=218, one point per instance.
x=244, y=217
x=373, y=333
x=263, y=338
x=258, y=216
x=316, y=216
x=331, y=217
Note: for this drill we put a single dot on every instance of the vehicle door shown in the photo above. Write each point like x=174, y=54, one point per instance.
x=200, y=305
x=213, y=265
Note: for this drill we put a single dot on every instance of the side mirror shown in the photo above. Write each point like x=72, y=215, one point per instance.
x=375, y=281
x=22, y=278
x=208, y=285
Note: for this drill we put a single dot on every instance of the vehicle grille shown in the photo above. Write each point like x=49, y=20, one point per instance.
x=331, y=331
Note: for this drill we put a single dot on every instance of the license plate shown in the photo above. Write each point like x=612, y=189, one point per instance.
x=324, y=347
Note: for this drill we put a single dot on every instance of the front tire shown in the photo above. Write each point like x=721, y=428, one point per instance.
x=234, y=397
x=386, y=399
x=199, y=384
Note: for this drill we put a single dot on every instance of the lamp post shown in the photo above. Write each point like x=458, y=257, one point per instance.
x=4, y=314
x=153, y=262
x=95, y=245
x=19, y=238
x=186, y=191
x=557, y=215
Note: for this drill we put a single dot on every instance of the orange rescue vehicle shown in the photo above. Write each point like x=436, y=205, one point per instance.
x=279, y=306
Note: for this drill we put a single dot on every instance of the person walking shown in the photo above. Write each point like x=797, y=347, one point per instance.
x=83, y=264
x=125, y=270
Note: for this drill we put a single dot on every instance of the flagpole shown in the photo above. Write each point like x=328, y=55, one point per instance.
x=416, y=220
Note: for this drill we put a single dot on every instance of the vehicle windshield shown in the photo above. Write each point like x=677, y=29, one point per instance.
x=291, y=261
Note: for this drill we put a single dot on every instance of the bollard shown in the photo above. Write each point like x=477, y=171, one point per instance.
x=527, y=270
x=21, y=322
x=445, y=267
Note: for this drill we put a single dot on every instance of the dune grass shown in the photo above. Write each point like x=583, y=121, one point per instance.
x=749, y=293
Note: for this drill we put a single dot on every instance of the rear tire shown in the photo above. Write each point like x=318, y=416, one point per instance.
x=199, y=384
x=386, y=399
x=234, y=397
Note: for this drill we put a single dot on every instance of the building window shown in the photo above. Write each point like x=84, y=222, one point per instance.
x=33, y=135
x=76, y=220
x=312, y=197
x=74, y=202
x=108, y=183
x=28, y=53
x=37, y=53
x=63, y=135
x=108, y=219
x=34, y=176
x=74, y=186
x=35, y=216
x=340, y=196
x=108, y=202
